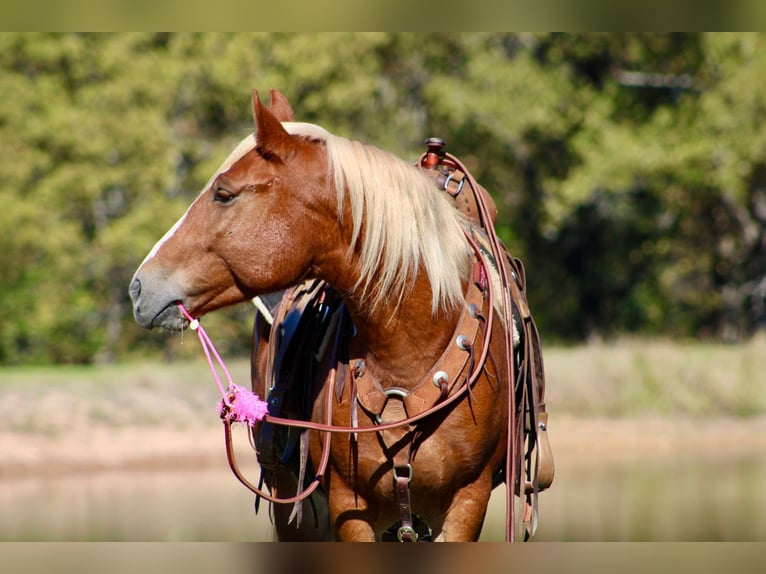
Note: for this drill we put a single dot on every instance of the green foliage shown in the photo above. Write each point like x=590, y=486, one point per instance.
x=628, y=168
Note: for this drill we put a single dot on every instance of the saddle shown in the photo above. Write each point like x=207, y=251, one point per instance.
x=450, y=178
x=303, y=319
x=307, y=320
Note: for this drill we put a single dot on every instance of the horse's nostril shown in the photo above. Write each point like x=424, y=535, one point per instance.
x=134, y=290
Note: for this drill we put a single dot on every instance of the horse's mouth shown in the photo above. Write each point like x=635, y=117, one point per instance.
x=169, y=318
x=148, y=310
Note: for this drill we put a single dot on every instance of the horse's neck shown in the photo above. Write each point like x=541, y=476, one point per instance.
x=400, y=345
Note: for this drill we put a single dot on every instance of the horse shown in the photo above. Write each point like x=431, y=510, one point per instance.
x=421, y=344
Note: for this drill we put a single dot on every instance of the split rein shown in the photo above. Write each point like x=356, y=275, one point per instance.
x=239, y=404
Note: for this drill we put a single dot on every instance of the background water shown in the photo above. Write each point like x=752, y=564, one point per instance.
x=703, y=497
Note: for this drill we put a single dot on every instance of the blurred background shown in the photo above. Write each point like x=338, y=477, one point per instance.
x=629, y=172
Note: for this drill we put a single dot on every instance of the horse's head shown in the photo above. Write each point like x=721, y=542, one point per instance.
x=271, y=192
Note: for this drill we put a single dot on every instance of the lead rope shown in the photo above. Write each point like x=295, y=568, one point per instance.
x=238, y=404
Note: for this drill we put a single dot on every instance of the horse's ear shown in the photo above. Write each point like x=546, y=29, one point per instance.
x=272, y=140
x=280, y=107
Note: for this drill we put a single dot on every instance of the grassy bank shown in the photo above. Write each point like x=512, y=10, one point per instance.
x=622, y=379
x=145, y=394
x=641, y=377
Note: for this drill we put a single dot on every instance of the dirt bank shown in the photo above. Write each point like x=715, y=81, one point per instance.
x=574, y=440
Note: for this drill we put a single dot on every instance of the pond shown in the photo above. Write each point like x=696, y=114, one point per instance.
x=703, y=497
x=696, y=498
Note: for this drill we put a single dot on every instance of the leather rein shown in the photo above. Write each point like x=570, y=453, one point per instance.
x=328, y=428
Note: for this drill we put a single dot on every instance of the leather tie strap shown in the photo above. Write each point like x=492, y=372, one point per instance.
x=402, y=477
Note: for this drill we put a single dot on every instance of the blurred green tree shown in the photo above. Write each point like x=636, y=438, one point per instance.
x=628, y=169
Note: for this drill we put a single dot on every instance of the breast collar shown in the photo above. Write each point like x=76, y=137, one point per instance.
x=389, y=404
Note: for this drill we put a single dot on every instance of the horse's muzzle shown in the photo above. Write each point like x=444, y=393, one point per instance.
x=152, y=309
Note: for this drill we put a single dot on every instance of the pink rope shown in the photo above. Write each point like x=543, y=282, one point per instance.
x=238, y=404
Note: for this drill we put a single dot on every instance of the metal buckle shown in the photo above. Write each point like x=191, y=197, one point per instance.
x=408, y=531
x=401, y=393
x=409, y=472
x=388, y=393
x=459, y=185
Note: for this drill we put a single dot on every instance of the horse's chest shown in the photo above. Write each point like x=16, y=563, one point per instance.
x=436, y=464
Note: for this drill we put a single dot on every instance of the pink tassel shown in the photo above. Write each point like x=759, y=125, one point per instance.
x=243, y=406
x=238, y=403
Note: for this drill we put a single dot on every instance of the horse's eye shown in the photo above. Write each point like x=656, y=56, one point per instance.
x=221, y=195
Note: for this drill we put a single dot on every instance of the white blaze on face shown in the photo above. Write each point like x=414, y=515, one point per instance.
x=242, y=148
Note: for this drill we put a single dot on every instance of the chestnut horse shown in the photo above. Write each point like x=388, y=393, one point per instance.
x=415, y=281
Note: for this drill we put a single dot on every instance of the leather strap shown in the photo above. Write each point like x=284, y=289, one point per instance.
x=373, y=397
x=531, y=376
x=450, y=178
x=402, y=477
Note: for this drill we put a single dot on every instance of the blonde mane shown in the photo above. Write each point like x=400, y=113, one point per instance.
x=401, y=222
